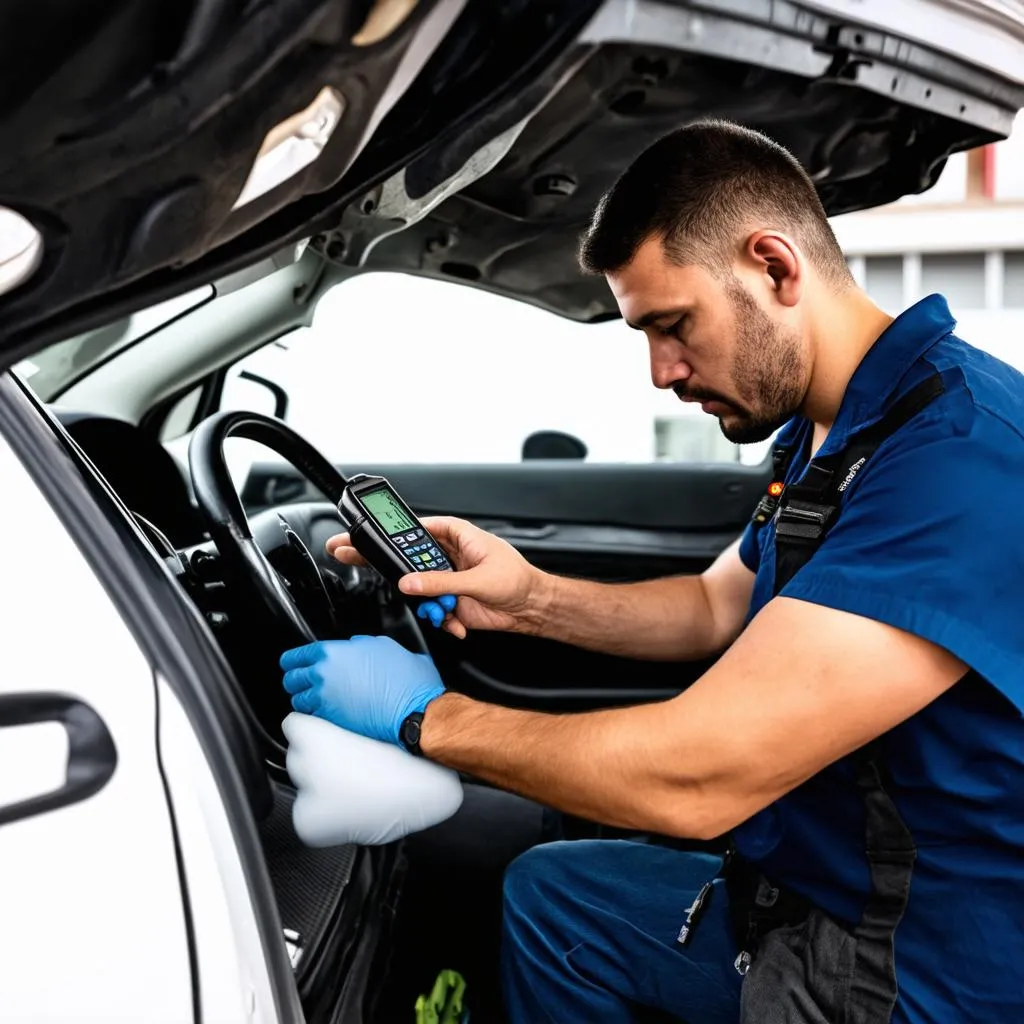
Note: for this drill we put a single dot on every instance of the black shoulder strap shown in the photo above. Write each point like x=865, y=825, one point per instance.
x=808, y=510
x=782, y=459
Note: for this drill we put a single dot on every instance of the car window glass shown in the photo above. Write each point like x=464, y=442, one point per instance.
x=402, y=369
x=243, y=393
x=55, y=368
x=181, y=415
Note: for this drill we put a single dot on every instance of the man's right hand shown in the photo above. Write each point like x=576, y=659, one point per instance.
x=496, y=587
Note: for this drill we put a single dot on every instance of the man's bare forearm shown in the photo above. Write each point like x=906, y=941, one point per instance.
x=803, y=687
x=605, y=766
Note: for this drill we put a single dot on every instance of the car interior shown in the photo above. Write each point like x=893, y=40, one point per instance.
x=217, y=530
x=482, y=173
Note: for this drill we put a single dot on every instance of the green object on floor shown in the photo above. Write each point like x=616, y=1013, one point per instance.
x=446, y=1002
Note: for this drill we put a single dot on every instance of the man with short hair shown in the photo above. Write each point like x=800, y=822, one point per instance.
x=861, y=737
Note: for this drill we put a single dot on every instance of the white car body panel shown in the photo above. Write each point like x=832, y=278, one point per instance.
x=233, y=978
x=94, y=924
x=985, y=33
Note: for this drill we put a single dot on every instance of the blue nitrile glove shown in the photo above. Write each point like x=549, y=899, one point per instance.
x=368, y=685
x=435, y=611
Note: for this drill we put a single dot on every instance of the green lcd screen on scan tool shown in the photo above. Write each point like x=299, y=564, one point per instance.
x=384, y=507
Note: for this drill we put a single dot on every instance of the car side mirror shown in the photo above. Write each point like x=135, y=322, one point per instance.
x=553, y=444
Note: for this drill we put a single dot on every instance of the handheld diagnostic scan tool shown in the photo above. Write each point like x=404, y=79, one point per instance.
x=384, y=530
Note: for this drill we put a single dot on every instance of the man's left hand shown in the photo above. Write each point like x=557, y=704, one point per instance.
x=368, y=685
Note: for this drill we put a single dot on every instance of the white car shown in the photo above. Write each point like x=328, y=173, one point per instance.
x=182, y=184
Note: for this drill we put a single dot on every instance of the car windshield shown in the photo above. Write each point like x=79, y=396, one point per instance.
x=54, y=369
x=402, y=369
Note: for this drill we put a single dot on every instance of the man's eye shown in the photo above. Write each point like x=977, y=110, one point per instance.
x=672, y=330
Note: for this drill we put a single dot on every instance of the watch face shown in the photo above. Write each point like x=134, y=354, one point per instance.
x=411, y=733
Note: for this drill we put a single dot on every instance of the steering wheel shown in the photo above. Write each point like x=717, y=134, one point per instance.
x=303, y=610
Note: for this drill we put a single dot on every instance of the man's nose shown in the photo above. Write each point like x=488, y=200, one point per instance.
x=667, y=366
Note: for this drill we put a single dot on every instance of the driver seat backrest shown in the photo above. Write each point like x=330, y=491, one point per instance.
x=140, y=471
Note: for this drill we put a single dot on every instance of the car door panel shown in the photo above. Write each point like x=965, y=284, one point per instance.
x=521, y=671
x=91, y=881
x=610, y=553
x=658, y=496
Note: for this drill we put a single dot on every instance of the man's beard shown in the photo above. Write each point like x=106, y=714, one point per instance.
x=767, y=372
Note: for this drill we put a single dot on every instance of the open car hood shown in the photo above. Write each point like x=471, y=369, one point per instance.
x=144, y=140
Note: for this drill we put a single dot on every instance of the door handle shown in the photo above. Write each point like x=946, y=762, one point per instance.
x=92, y=756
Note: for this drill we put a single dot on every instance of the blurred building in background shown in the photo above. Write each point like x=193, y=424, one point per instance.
x=964, y=237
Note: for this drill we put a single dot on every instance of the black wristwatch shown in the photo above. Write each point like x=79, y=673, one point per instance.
x=410, y=731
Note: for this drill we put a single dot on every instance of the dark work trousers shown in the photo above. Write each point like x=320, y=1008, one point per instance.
x=590, y=932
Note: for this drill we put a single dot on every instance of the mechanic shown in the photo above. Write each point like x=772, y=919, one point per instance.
x=861, y=737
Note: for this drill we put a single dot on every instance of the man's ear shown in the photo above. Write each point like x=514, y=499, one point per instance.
x=776, y=256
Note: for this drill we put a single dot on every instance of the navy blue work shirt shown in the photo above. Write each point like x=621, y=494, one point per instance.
x=928, y=540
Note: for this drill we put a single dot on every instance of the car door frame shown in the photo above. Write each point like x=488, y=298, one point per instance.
x=180, y=652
